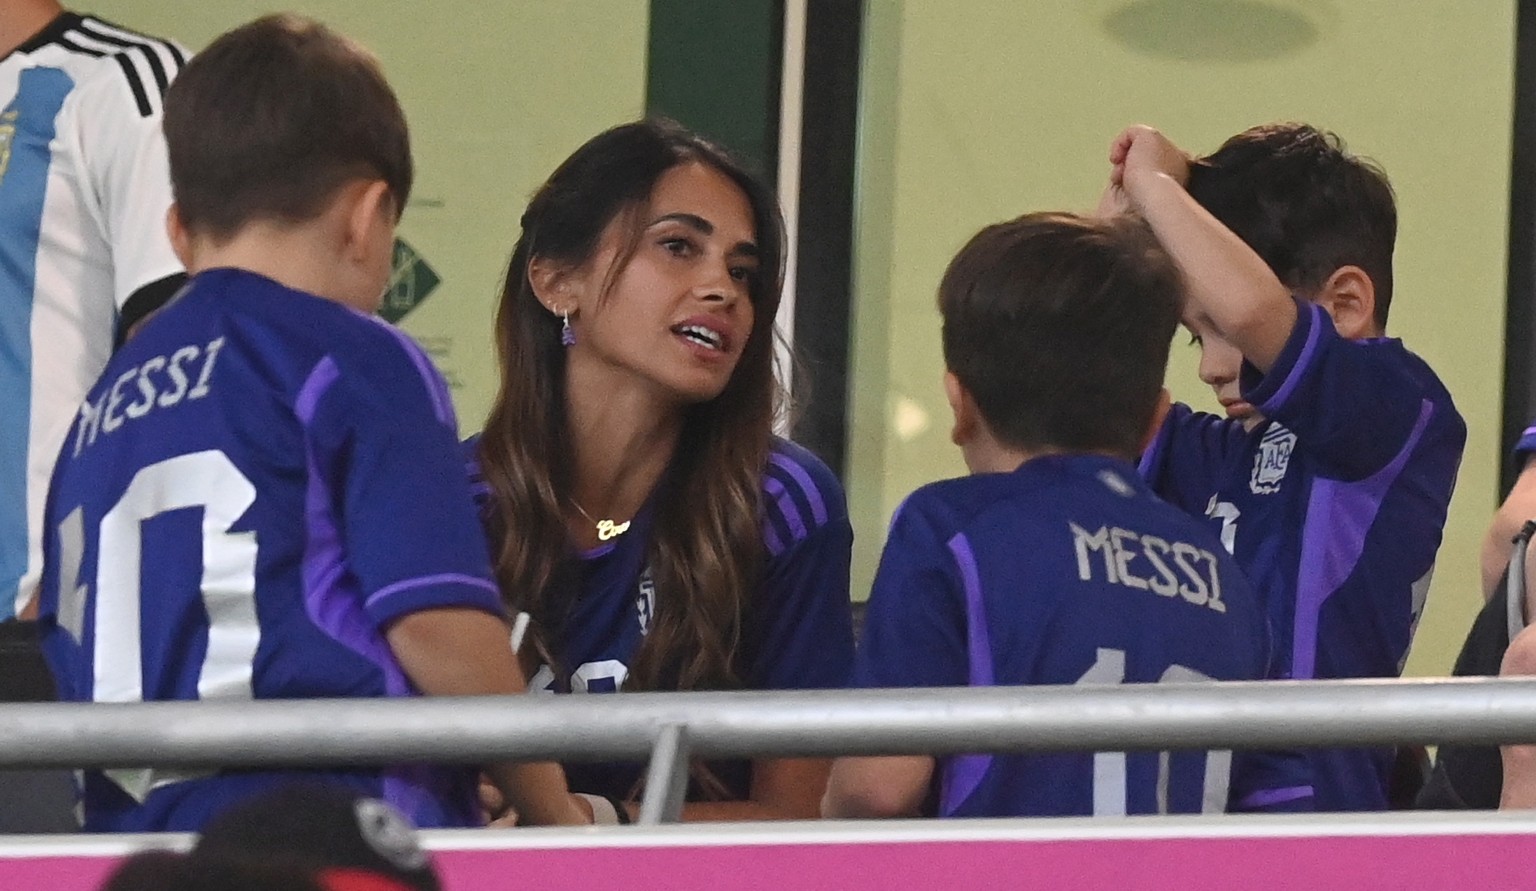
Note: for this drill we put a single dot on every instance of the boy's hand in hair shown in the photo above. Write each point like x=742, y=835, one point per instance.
x=1141, y=152
x=1228, y=284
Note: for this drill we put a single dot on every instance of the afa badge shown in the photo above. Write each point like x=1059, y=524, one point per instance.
x=7, y=136
x=1274, y=457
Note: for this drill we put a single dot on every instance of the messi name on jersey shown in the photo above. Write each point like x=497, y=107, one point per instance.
x=158, y=382
x=1176, y=568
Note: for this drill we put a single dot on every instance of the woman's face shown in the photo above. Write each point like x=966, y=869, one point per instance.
x=680, y=311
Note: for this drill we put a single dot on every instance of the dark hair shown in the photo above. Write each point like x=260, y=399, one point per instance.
x=171, y=871
x=1059, y=327
x=273, y=118
x=705, y=556
x=1304, y=204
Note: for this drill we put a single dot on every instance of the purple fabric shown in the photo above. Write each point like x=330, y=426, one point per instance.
x=1299, y=368
x=335, y=609
x=442, y=403
x=443, y=578
x=771, y=540
x=964, y=773
x=321, y=377
x=1269, y=797
x=787, y=507
x=1154, y=452
x=1527, y=443
x=807, y=485
x=1339, y=515
x=329, y=604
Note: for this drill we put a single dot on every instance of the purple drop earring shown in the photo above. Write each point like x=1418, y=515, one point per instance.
x=567, y=335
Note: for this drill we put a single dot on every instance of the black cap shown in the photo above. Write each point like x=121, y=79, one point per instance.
x=319, y=826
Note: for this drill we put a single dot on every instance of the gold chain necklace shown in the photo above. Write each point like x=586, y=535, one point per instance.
x=606, y=529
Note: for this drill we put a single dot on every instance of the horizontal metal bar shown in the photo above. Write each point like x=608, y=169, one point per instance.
x=805, y=723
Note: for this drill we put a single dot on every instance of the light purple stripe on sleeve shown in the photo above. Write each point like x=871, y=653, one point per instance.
x=1339, y=515
x=963, y=773
x=807, y=485
x=321, y=377
x=1154, y=452
x=771, y=540
x=787, y=507
x=442, y=578
x=1269, y=797
x=1299, y=369
x=442, y=403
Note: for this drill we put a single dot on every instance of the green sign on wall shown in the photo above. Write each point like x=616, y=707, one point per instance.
x=410, y=282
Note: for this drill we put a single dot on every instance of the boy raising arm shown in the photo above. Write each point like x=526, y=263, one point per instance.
x=1330, y=478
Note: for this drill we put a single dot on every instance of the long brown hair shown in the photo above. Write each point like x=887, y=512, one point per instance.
x=705, y=554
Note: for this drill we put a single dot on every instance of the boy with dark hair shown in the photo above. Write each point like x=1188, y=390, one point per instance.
x=1054, y=563
x=1330, y=477
x=261, y=497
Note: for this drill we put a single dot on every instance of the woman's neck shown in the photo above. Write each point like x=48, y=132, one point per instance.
x=624, y=437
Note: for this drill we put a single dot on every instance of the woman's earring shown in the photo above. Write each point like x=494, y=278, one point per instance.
x=567, y=335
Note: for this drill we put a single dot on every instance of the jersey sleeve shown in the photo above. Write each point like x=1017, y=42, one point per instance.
x=383, y=436
x=1271, y=782
x=1354, y=406
x=1526, y=446
x=1186, y=456
x=117, y=125
x=803, y=615
x=915, y=625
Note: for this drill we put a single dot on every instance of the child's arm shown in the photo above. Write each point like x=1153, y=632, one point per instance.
x=465, y=652
x=1518, y=507
x=892, y=786
x=1227, y=282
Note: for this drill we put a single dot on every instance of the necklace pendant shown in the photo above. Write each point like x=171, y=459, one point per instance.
x=608, y=529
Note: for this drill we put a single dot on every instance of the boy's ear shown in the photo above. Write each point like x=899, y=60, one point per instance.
x=964, y=409
x=1159, y=414
x=1349, y=298
x=371, y=206
x=180, y=238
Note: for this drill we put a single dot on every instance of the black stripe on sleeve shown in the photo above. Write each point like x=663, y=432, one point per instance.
x=147, y=47
x=136, y=84
x=64, y=41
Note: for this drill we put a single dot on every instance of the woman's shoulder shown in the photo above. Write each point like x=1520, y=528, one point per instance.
x=801, y=495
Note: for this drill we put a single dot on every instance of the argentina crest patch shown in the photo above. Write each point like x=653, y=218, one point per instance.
x=1272, y=460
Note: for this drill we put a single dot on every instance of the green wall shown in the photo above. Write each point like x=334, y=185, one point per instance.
x=496, y=95
x=980, y=111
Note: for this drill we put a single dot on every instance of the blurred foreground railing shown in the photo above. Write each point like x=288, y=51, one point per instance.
x=677, y=726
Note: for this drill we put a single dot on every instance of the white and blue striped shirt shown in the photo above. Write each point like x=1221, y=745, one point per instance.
x=84, y=189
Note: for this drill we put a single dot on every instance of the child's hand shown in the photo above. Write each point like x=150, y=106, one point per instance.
x=1141, y=153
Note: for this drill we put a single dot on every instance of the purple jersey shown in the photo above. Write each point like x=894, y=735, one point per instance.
x=1333, y=506
x=1527, y=444
x=1070, y=571
x=257, y=486
x=798, y=633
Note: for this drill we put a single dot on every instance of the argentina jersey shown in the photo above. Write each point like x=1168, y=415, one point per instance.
x=1333, y=505
x=84, y=189
x=797, y=633
x=258, y=485
x=1069, y=571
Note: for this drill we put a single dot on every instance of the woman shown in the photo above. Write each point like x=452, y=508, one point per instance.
x=638, y=507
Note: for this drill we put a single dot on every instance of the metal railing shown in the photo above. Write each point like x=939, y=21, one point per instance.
x=670, y=728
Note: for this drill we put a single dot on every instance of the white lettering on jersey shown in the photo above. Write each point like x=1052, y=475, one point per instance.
x=645, y=600
x=108, y=413
x=1193, y=575
x=1109, y=773
x=1272, y=460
